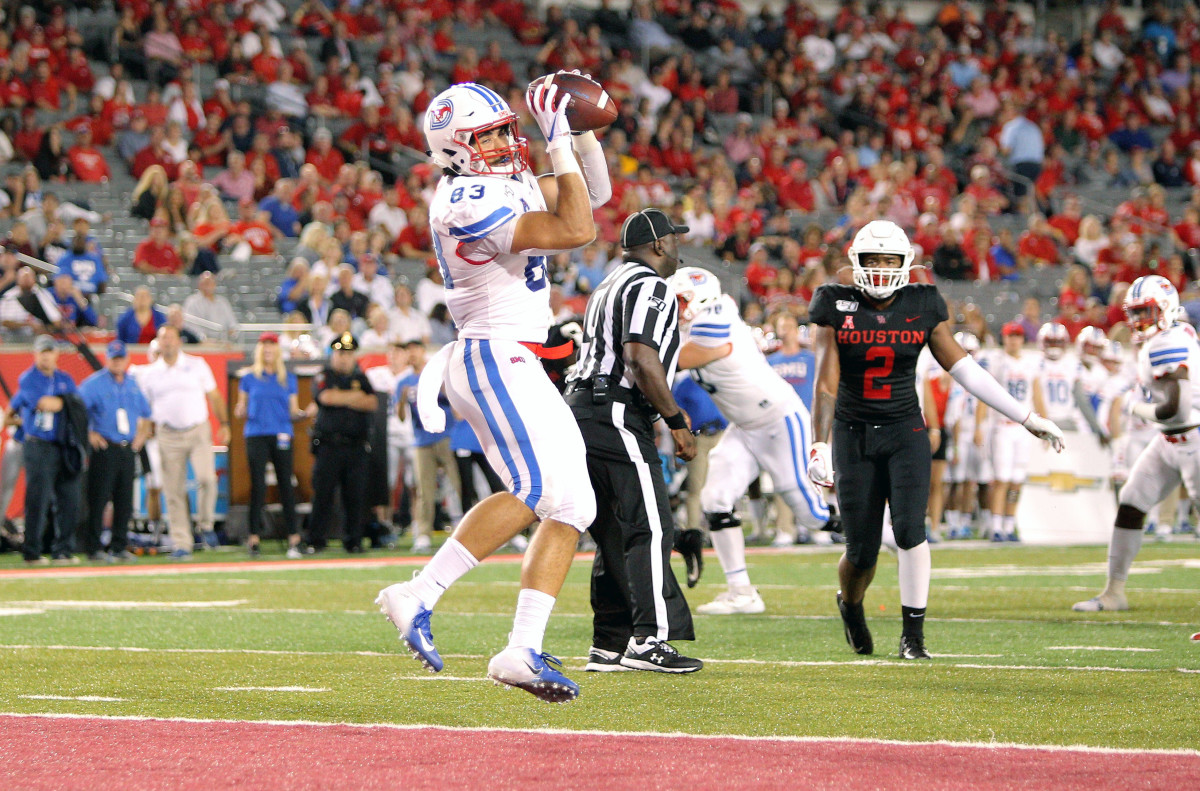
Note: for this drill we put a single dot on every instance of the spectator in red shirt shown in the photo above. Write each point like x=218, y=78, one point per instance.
x=1067, y=221
x=87, y=162
x=1075, y=291
x=102, y=130
x=495, y=69
x=378, y=138
x=154, y=154
x=1186, y=233
x=1037, y=246
x=415, y=241
x=253, y=230
x=45, y=91
x=156, y=255
x=324, y=157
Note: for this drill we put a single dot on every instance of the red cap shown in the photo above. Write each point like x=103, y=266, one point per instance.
x=1012, y=328
x=268, y=337
x=157, y=222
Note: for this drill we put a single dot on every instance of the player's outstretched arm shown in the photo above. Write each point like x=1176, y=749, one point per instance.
x=1174, y=390
x=984, y=386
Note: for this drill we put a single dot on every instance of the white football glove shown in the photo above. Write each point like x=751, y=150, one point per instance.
x=820, y=466
x=550, y=112
x=1045, y=429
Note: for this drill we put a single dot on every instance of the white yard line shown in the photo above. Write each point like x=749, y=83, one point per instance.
x=100, y=604
x=1100, y=648
x=80, y=698
x=272, y=689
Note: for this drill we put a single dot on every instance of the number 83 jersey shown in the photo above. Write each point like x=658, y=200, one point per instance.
x=878, y=348
x=491, y=292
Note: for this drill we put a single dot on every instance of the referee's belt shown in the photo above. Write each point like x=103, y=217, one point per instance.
x=581, y=393
x=560, y=352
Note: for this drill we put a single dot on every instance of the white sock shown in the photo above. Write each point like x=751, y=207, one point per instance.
x=758, y=514
x=1010, y=525
x=953, y=519
x=914, y=567
x=998, y=524
x=1122, y=549
x=529, y=624
x=730, y=545
x=451, y=562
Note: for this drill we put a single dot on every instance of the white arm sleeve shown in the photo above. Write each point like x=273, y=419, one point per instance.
x=984, y=386
x=595, y=168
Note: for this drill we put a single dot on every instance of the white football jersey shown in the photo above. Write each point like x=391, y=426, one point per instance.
x=491, y=293
x=1018, y=375
x=1058, y=388
x=1093, y=378
x=742, y=384
x=1124, y=383
x=1165, y=352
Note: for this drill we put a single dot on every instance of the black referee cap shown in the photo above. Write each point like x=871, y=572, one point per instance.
x=646, y=226
x=345, y=342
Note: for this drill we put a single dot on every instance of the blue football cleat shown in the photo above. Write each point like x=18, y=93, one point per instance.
x=408, y=614
x=524, y=668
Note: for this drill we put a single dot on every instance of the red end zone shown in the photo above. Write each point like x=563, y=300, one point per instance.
x=100, y=753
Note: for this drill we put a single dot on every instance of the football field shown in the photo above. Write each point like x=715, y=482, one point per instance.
x=275, y=641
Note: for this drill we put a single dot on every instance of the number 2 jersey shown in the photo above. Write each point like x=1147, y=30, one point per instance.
x=742, y=384
x=1165, y=352
x=491, y=292
x=878, y=348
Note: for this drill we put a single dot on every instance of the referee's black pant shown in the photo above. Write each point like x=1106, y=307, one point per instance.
x=634, y=591
x=109, y=477
x=339, y=466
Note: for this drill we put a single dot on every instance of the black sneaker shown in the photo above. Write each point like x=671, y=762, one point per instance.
x=658, y=656
x=690, y=544
x=855, y=623
x=913, y=647
x=253, y=551
x=601, y=661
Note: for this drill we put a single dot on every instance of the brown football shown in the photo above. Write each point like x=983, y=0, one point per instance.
x=591, y=107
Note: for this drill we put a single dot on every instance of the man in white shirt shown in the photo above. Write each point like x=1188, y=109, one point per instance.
x=177, y=386
x=207, y=305
x=406, y=322
x=387, y=213
x=368, y=281
x=14, y=316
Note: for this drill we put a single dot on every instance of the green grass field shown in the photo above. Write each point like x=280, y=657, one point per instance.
x=1012, y=662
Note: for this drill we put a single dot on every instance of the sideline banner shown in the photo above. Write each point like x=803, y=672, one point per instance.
x=1068, y=496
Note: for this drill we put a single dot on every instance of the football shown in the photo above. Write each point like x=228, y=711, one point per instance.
x=591, y=107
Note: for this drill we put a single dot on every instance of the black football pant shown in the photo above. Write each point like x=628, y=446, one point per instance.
x=876, y=466
x=466, y=478
x=337, y=467
x=48, y=484
x=109, y=477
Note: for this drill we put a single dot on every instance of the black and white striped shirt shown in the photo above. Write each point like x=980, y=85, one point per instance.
x=632, y=304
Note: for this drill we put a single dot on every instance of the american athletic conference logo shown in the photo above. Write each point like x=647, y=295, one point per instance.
x=440, y=114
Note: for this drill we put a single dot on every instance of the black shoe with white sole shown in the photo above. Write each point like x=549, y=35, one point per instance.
x=913, y=647
x=653, y=654
x=601, y=661
x=855, y=624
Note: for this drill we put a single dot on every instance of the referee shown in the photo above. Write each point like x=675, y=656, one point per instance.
x=619, y=388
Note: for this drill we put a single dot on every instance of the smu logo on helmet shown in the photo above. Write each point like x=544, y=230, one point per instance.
x=440, y=114
x=697, y=277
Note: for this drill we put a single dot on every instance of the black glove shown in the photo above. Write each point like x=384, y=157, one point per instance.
x=690, y=544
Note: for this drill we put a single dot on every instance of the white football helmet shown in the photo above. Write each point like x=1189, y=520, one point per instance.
x=1053, y=339
x=1090, y=342
x=454, y=121
x=881, y=236
x=1151, y=305
x=696, y=289
x=1113, y=353
x=968, y=342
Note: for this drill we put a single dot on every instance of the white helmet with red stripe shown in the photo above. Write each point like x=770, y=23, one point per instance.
x=696, y=289
x=1151, y=305
x=1053, y=339
x=881, y=236
x=455, y=120
x=1089, y=344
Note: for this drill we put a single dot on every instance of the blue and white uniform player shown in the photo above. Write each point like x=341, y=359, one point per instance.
x=493, y=225
x=1166, y=361
x=768, y=431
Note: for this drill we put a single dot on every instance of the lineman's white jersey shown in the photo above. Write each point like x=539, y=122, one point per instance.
x=1058, y=388
x=742, y=384
x=491, y=293
x=1093, y=377
x=1017, y=375
x=1164, y=353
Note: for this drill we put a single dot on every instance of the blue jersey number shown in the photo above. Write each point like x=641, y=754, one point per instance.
x=1016, y=388
x=476, y=192
x=441, y=259
x=535, y=273
x=1058, y=391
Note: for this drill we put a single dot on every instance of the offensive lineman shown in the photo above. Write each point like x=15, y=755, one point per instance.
x=869, y=336
x=768, y=429
x=1166, y=360
x=493, y=225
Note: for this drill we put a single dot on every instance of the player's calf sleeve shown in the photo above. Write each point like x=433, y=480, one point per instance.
x=1122, y=549
x=915, y=567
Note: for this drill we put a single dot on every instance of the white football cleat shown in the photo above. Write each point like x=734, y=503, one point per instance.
x=408, y=614
x=742, y=600
x=1105, y=602
x=538, y=674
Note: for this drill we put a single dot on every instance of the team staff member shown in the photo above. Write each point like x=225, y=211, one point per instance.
x=269, y=404
x=621, y=384
x=868, y=338
x=120, y=425
x=345, y=403
x=177, y=385
x=38, y=403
